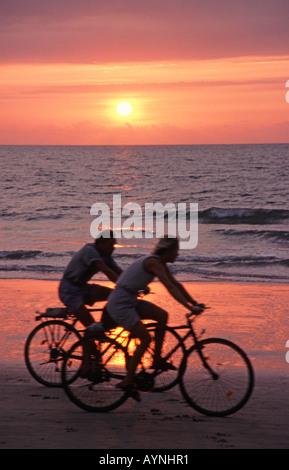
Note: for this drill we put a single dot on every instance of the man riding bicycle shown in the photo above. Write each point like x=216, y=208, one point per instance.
x=74, y=290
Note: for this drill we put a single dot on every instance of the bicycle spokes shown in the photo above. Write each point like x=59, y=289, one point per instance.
x=96, y=389
x=45, y=349
x=218, y=380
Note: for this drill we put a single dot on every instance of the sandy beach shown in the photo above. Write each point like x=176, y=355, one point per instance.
x=253, y=315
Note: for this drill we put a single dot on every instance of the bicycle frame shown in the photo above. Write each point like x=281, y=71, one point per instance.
x=197, y=343
x=66, y=316
x=190, y=333
x=200, y=352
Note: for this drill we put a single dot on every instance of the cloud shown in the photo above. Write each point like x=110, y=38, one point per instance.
x=89, y=31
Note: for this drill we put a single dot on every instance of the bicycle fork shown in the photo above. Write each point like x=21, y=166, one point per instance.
x=204, y=359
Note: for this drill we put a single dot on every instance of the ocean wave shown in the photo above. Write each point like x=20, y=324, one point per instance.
x=28, y=254
x=222, y=275
x=37, y=268
x=234, y=268
x=217, y=215
x=274, y=235
x=188, y=262
x=19, y=254
x=45, y=217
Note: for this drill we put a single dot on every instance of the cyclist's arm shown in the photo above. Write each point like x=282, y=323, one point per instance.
x=117, y=270
x=110, y=273
x=185, y=293
x=156, y=267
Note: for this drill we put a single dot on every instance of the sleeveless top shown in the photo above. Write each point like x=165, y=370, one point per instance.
x=135, y=277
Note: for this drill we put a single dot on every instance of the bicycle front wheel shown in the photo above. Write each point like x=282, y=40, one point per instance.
x=45, y=349
x=97, y=391
x=216, y=377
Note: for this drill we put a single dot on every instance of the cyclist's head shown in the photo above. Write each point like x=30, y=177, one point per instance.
x=167, y=247
x=105, y=242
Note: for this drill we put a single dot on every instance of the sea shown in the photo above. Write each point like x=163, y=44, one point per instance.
x=241, y=192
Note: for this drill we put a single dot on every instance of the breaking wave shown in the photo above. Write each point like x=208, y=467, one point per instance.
x=216, y=215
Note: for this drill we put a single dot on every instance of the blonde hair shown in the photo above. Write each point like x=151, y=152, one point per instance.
x=165, y=244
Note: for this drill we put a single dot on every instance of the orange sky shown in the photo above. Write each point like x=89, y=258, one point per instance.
x=194, y=72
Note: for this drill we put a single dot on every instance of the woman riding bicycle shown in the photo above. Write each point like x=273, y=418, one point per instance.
x=127, y=310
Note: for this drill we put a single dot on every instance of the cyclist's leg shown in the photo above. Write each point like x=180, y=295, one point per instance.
x=76, y=297
x=92, y=293
x=84, y=316
x=149, y=311
x=100, y=293
x=96, y=293
x=139, y=331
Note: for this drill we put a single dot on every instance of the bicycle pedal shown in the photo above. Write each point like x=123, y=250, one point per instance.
x=163, y=366
x=145, y=381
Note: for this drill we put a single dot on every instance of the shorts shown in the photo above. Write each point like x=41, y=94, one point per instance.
x=125, y=308
x=75, y=295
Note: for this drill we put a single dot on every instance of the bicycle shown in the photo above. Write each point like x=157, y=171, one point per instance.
x=215, y=376
x=48, y=343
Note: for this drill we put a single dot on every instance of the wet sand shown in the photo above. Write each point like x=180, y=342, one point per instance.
x=35, y=417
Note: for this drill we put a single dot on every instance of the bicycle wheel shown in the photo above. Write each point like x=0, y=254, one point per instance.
x=98, y=391
x=173, y=352
x=221, y=383
x=45, y=349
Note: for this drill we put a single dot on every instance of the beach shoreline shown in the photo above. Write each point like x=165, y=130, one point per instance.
x=35, y=417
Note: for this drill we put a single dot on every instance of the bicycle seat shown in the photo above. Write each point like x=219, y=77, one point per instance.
x=96, y=327
x=59, y=312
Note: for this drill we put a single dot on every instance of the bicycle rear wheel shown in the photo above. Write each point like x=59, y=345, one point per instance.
x=45, y=349
x=98, y=391
x=221, y=383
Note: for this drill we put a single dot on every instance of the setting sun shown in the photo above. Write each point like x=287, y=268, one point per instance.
x=124, y=108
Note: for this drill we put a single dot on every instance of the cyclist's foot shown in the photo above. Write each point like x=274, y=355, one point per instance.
x=127, y=362
x=85, y=374
x=84, y=368
x=87, y=371
x=131, y=390
x=162, y=364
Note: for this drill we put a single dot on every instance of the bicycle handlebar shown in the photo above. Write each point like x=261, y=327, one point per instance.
x=141, y=293
x=202, y=306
